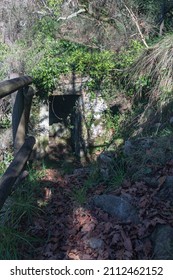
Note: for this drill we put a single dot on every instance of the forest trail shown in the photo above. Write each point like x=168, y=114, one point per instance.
x=73, y=229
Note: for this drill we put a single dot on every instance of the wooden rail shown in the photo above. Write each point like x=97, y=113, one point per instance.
x=15, y=169
x=23, y=145
x=12, y=85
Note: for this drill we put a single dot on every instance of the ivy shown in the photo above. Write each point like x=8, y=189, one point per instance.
x=61, y=57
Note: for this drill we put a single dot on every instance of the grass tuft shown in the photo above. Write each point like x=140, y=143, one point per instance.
x=155, y=65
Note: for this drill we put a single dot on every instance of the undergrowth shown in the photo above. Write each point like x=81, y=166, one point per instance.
x=18, y=214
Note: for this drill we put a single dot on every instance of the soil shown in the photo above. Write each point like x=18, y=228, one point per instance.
x=71, y=231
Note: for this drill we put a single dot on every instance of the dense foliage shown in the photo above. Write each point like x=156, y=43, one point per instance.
x=124, y=48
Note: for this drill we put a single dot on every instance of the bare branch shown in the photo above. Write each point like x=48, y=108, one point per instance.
x=134, y=18
x=72, y=15
x=46, y=7
x=44, y=13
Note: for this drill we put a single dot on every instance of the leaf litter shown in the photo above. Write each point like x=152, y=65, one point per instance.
x=73, y=232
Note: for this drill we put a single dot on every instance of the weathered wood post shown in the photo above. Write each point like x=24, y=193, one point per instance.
x=20, y=116
x=21, y=101
x=28, y=96
x=15, y=169
x=9, y=86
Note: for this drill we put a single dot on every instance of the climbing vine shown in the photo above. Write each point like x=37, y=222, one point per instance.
x=64, y=57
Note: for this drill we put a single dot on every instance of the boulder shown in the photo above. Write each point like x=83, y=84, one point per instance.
x=105, y=162
x=117, y=206
x=95, y=243
x=166, y=191
x=162, y=239
x=171, y=121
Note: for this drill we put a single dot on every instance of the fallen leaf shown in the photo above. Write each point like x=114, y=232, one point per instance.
x=86, y=257
x=161, y=181
x=120, y=254
x=73, y=256
x=115, y=238
x=147, y=247
x=88, y=227
x=128, y=254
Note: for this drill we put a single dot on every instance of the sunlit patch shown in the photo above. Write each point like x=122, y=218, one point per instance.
x=46, y=199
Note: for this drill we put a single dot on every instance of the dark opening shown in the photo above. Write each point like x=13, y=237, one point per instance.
x=64, y=114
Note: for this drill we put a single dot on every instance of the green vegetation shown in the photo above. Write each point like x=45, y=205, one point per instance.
x=19, y=211
x=63, y=58
x=117, y=174
x=7, y=158
x=108, y=45
x=5, y=122
x=80, y=194
x=4, y=52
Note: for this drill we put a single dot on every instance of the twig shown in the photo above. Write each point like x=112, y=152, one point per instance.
x=136, y=23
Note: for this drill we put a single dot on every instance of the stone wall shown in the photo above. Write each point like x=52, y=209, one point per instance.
x=87, y=124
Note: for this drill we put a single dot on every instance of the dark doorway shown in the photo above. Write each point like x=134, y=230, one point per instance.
x=65, y=120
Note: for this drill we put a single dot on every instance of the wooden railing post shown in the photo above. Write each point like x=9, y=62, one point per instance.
x=18, y=121
x=10, y=86
x=20, y=116
x=22, y=100
x=28, y=96
x=15, y=168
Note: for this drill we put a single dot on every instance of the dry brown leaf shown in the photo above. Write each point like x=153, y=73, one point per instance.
x=147, y=247
x=143, y=202
x=88, y=227
x=115, y=238
x=128, y=244
x=73, y=256
x=157, y=220
x=161, y=181
x=86, y=257
x=107, y=227
x=120, y=254
x=128, y=254
x=126, y=241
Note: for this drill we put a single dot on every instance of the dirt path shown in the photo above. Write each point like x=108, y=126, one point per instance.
x=71, y=231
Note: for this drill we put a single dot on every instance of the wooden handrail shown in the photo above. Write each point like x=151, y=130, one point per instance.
x=10, y=86
x=15, y=168
x=23, y=145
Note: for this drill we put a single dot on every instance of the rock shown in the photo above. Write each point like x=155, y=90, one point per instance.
x=81, y=171
x=43, y=124
x=105, y=161
x=162, y=239
x=153, y=182
x=121, y=103
x=117, y=206
x=95, y=243
x=171, y=121
x=144, y=154
x=93, y=112
x=5, y=138
x=132, y=146
x=166, y=192
x=128, y=148
x=59, y=130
